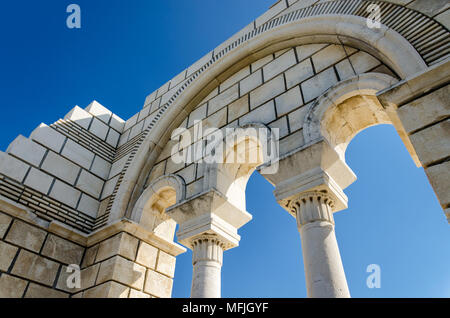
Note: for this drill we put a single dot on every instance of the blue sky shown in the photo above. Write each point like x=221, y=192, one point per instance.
x=127, y=49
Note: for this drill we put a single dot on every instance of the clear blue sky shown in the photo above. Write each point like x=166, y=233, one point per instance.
x=127, y=49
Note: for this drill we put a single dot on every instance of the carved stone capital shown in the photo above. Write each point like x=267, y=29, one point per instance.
x=312, y=206
x=207, y=248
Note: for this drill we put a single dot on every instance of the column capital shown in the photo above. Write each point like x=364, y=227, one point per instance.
x=312, y=206
x=207, y=247
x=209, y=213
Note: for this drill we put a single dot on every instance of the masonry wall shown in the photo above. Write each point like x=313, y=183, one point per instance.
x=114, y=263
x=276, y=91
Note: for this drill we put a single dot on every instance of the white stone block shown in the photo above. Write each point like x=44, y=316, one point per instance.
x=99, y=129
x=117, y=166
x=289, y=101
x=137, y=129
x=117, y=123
x=317, y=85
x=250, y=83
x=299, y=73
x=27, y=150
x=197, y=114
x=282, y=125
x=109, y=187
x=200, y=63
x=78, y=154
x=64, y=193
x=238, y=108
x=267, y=91
x=12, y=167
x=79, y=116
x=131, y=122
x=48, y=137
x=101, y=167
x=99, y=111
x=223, y=99
x=261, y=62
x=328, y=56
x=271, y=13
x=38, y=180
x=305, y=51
x=297, y=117
x=113, y=138
x=60, y=167
x=363, y=62
x=345, y=70
x=279, y=65
x=124, y=138
x=88, y=206
x=263, y=114
x=90, y=184
x=235, y=78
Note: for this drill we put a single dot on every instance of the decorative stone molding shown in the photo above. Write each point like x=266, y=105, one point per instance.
x=208, y=213
x=313, y=206
x=207, y=248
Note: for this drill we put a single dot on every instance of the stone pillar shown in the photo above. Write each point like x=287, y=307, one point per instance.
x=208, y=225
x=325, y=277
x=207, y=262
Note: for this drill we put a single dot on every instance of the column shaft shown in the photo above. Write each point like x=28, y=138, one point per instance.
x=207, y=261
x=325, y=276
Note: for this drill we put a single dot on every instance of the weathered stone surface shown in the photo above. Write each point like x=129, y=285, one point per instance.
x=11, y=287
x=5, y=221
x=166, y=264
x=88, y=277
x=62, y=250
x=317, y=85
x=35, y=268
x=89, y=256
x=60, y=167
x=299, y=73
x=137, y=294
x=121, y=270
x=289, y=101
x=223, y=99
x=107, y=290
x=426, y=110
x=65, y=193
x=279, y=65
x=7, y=253
x=38, y=180
x=328, y=56
x=238, y=108
x=158, y=285
x=266, y=92
x=439, y=176
x=147, y=255
x=38, y=291
x=25, y=235
x=433, y=143
x=121, y=244
x=250, y=83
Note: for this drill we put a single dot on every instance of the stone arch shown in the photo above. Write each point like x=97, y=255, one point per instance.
x=346, y=109
x=386, y=44
x=149, y=210
x=236, y=157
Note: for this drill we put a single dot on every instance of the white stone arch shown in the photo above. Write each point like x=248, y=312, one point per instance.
x=384, y=43
x=236, y=157
x=149, y=210
x=348, y=108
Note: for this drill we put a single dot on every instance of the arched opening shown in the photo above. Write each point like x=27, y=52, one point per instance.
x=149, y=211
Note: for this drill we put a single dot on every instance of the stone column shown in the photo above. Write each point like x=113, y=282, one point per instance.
x=208, y=225
x=207, y=262
x=325, y=277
